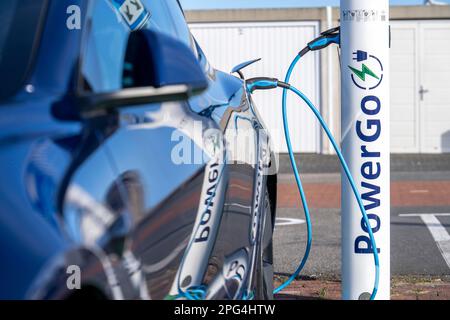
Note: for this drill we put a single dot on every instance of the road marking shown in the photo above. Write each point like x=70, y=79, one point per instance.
x=437, y=230
x=281, y=222
x=424, y=214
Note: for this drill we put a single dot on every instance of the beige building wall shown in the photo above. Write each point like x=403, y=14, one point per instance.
x=329, y=75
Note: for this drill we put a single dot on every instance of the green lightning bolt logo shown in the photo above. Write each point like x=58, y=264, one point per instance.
x=365, y=71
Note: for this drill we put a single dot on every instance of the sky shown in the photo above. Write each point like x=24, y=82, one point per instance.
x=227, y=4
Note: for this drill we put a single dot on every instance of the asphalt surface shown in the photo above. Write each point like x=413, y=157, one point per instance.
x=414, y=249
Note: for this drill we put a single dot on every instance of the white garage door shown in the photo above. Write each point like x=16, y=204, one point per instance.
x=227, y=45
x=420, y=110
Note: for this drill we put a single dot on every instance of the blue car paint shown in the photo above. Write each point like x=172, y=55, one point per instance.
x=43, y=157
x=27, y=222
x=29, y=233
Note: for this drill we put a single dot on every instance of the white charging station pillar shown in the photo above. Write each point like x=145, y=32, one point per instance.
x=365, y=42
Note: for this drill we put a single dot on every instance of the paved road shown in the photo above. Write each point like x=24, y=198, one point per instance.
x=420, y=245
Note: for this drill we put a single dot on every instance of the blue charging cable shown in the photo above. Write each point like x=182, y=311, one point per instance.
x=328, y=37
x=353, y=185
x=299, y=184
x=270, y=84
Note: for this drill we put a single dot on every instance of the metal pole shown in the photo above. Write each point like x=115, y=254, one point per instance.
x=365, y=42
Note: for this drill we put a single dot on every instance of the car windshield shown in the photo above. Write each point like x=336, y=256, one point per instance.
x=19, y=25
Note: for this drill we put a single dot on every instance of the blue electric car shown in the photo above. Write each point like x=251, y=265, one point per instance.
x=130, y=168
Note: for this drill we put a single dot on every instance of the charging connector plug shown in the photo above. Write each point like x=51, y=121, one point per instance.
x=326, y=38
x=265, y=84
